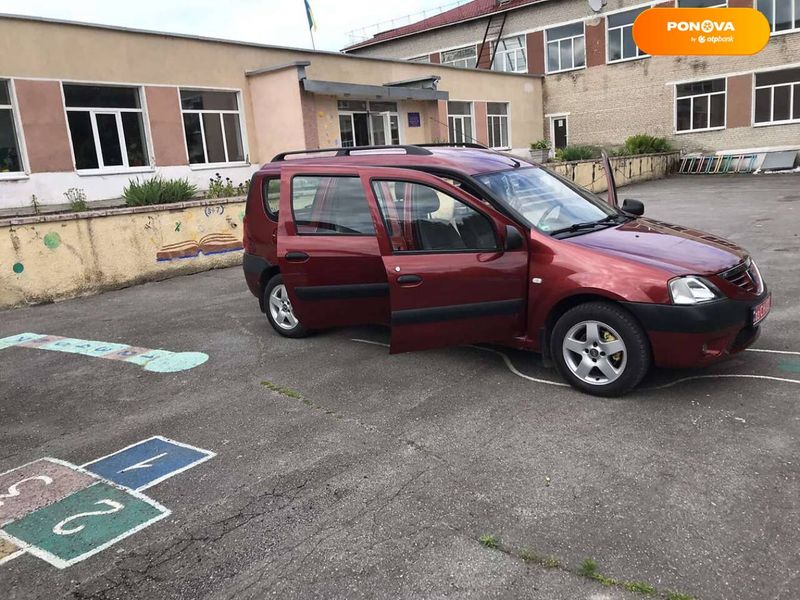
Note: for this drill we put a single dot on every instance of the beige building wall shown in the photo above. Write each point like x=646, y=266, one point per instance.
x=44, y=53
x=608, y=102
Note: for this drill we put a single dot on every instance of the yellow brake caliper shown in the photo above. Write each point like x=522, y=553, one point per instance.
x=609, y=337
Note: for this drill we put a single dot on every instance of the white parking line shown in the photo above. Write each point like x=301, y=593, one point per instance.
x=773, y=351
x=516, y=372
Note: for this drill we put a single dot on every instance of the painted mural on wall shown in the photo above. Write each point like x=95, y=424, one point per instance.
x=53, y=257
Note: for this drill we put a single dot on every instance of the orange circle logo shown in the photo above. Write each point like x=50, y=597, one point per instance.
x=701, y=31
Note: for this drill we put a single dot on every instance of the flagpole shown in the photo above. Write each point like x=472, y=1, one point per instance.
x=313, y=45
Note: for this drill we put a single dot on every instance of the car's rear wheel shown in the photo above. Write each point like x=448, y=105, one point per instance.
x=600, y=348
x=278, y=309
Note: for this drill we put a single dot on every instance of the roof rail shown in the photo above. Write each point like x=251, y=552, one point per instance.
x=416, y=150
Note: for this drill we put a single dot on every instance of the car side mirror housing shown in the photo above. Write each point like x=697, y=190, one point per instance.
x=633, y=207
x=514, y=239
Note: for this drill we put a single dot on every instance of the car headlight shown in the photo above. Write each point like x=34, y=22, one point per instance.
x=692, y=290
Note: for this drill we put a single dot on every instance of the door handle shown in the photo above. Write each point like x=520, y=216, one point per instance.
x=409, y=279
x=296, y=256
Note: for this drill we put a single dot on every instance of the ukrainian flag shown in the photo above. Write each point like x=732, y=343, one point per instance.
x=312, y=24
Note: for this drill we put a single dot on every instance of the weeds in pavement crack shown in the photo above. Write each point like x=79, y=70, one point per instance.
x=284, y=391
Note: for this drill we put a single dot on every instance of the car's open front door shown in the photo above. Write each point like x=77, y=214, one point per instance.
x=450, y=279
x=610, y=182
x=328, y=249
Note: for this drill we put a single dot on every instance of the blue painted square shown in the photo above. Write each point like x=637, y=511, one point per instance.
x=147, y=463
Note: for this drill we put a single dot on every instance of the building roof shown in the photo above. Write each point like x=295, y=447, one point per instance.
x=466, y=12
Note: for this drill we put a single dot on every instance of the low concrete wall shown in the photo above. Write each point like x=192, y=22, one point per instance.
x=50, y=257
x=627, y=169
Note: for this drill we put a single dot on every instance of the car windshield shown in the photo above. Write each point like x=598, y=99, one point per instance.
x=546, y=201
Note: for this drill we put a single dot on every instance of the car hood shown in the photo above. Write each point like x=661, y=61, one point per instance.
x=679, y=250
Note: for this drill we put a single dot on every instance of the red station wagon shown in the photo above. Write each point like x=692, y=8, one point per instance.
x=461, y=245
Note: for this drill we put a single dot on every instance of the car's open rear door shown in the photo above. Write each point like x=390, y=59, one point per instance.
x=328, y=249
x=450, y=280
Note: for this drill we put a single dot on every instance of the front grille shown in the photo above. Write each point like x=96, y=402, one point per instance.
x=744, y=275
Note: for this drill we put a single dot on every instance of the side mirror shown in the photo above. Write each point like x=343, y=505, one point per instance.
x=633, y=207
x=513, y=239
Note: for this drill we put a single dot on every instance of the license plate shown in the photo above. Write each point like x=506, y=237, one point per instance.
x=762, y=310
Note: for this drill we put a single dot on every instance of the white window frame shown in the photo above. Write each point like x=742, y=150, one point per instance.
x=472, y=139
x=771, y=21
x=387, y=122
x=458, y=62
x=490, y=117
x=93, y=112
x=200, y=112
x=423, y=58
x=707, y=95
x=500, y=56
x=560, y=41
x=794, y=91
x=18, y=134
x=639, y=54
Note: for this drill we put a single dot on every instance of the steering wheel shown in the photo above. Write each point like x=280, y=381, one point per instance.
x=545, y=215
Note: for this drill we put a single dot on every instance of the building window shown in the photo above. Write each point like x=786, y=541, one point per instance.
x=213, y=125
x=363, y=123
x=10, y=160
x=466, y=58
x=702, y=4
x=106, y=126
x=620, y=36
x=497, y=121
x=700, y=105
x=459, y=122
x=783, y=15
x=330, y=206
x=778, y=96
x=425, y=58
x=565, y=47
x=510, y=55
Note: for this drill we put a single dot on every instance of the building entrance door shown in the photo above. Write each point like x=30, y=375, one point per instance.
x=558, y=130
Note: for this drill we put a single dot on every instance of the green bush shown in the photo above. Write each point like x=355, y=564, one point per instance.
x=540, y=145
x=224, y=188
x=157, y=191
x=577, y=153
x=644, y=144
x=77, y=200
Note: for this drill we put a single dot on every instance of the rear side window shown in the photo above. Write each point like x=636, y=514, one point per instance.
x=272, y=197
x=330, y=206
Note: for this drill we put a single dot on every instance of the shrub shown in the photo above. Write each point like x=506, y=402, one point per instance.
x=157, y=191
x=224, y=188
x=644, y=144
x=540, y=145
x=77, y=200
x=577, y=153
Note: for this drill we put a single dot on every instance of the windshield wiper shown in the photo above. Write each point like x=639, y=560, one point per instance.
x=589, y=224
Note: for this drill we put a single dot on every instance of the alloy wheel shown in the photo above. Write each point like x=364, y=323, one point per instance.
x=594, y=352
x=280, y=308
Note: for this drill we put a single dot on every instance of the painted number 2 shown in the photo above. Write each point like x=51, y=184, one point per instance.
x=13, y=491
x=114, y=507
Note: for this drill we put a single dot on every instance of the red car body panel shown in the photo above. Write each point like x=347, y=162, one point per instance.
x=523, y=288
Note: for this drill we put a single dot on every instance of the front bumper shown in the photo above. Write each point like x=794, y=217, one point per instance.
x=698, y=335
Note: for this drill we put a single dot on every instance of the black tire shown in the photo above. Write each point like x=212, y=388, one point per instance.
x=637, y=356
x=297, y=331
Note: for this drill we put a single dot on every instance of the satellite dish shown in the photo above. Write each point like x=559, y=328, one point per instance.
x=597, y=5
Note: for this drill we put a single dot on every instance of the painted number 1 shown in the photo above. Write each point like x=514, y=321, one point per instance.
x=60, y=529
x=13, y=491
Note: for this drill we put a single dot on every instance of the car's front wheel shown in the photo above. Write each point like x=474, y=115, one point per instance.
x=600, y=349
x=279, y=311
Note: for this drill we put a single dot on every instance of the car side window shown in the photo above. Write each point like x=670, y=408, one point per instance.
x=271, y=190
x=420, y=218
x=324, y=205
